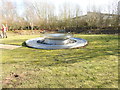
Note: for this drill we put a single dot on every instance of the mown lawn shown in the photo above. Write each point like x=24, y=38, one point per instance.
x=93, y=66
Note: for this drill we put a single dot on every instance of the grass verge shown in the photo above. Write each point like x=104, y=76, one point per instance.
x=93, y=66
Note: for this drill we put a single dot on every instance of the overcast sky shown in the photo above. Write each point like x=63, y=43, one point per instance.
x=84, y=4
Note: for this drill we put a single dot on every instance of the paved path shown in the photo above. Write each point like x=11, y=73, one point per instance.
x=10, y=47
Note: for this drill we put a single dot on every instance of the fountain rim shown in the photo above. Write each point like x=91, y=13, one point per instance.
x=51, y=47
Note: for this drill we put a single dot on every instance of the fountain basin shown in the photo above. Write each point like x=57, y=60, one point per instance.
x=77, y=42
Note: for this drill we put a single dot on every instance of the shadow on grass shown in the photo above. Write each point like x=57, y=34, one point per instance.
x=63, y=60
x=76, y=59
x=71, y=56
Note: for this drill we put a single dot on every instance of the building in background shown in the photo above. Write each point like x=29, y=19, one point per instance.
x=98, y=19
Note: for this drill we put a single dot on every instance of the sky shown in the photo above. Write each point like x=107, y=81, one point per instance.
x=84, y=4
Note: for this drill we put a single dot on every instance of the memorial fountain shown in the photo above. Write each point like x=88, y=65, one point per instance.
x=56, y=41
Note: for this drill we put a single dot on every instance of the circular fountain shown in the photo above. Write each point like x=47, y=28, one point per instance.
x=56, y=41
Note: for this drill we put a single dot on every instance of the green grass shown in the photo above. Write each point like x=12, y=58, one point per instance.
x=93, y=66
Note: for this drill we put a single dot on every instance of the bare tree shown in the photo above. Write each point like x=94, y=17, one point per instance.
x=67, y=12
x=8, y=13
x=29, y=14
x=39, y=13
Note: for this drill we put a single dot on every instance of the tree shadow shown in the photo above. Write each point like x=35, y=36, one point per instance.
x=67, y=58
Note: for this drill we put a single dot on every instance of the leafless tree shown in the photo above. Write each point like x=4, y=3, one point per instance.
x=8, y=13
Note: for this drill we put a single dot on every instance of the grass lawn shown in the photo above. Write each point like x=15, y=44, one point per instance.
x=93, y=66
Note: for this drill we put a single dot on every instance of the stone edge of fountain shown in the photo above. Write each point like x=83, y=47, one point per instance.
x=52, y=47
